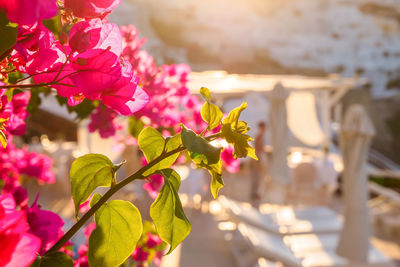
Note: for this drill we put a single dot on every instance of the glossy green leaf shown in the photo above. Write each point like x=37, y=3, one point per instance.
x=239, y=141
x=198, y=145
x=205, y=92
x=55, y=259
x=8, y=33
x=211, y=114
x=87, y=173
x=118, y=229
x=167, y=213
x=152, y=143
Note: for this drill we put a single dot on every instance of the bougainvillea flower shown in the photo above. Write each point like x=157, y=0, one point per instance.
x=97, y=69
x=95, y=34
x=153, y=240
x=19, y=248
x=39, y=166
x=125, y=96
x=100, y=115
x=154, y=186
x=229, y=162
x=16, y=125
x=28, y=12
x=35, y=36
x=44, y=224
x=14, y=112
x=140, y=255
x=91, y=8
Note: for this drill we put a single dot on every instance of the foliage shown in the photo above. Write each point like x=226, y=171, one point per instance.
x=97, y=70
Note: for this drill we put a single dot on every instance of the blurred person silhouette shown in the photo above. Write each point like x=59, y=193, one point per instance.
x=257, y=165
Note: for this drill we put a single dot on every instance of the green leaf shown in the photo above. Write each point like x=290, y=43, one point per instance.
x=205, y=93
x=167, y=213
x=242, y=127
x=135, y=126
x=239, y=141
x=233, y=116
x=118, y=229
x=87, y=173
x=152, y=143
x=58, y=259
x=211, y=114
x=216, y=174
x=8, y=33
x=96, y=197
x=216, y=183
x=10, y=93
x=198, y=145
x=53, y=24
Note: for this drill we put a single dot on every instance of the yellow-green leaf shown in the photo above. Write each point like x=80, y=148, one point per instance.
x=239, y=141
x=211, y=114
x=167, y=213
x=96, y=197
x=198, y=145
x=87, y=173
x=233, y=116
x=118, y=229
x=205, y=92
x=152, y=143
x=216, y=183
x=58, y=259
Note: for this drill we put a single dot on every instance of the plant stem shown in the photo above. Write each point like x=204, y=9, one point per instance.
x=25, y=85
x=136, y=176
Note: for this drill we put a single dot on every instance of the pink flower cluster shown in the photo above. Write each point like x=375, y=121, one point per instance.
x=14, y=112
x=98, y=118
x=149, y=248
x=28, y=11
x=170, y=100
x=25, y=231
x=16, y=162
x=86, y=64
x=82, y=260
x=228, y=161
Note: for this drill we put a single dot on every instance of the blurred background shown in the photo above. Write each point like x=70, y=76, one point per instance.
x=298, y=37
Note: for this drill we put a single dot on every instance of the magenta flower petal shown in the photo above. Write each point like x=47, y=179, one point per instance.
x=25, y=251
x=95, y=34
x=97, y=70
x=91, y=8
x=27, y=12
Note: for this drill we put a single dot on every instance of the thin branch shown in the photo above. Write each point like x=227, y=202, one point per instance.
x=136, y=176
